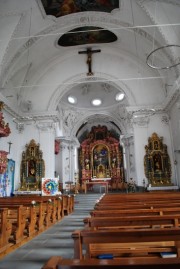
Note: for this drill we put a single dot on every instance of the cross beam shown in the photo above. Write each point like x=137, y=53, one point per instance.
x=89, y=53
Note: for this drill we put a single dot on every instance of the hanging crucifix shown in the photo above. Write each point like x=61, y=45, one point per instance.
x=89, y=53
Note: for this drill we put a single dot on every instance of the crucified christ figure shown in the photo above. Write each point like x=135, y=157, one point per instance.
x=89, y=53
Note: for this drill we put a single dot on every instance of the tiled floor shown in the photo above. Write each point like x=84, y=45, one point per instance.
x=56, y=241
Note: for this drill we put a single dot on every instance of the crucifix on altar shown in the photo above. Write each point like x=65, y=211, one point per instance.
x=89, y=53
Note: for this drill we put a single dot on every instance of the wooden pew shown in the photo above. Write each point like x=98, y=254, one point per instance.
x=57, y=262
x=39, y=213
x=48, y=209
x=144, y=196
x=16, y=215
x=135, y=206
x=49, y=205
x=67, y=204
x=137, y=222
x=143, y=242
x=31, y=217
x=136, y=212
x=5, y=230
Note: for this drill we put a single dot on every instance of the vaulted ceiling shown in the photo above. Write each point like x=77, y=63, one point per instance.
x=38, y=73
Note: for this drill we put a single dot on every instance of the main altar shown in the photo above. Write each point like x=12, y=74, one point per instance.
x=101, y=156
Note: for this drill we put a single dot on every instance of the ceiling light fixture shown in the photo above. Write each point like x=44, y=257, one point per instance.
x=96, y=102
x=72, y=100
x=120, y=96
x=153, y=53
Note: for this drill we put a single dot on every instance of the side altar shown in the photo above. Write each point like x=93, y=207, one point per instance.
x=32, y=168
x=157, y=165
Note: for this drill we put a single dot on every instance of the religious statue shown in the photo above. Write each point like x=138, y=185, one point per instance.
x=89, y=53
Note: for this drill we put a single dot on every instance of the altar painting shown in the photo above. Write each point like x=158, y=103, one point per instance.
x=86, y=35
x=60, y=8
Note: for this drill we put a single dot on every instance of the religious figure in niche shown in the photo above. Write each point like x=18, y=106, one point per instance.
x=157, y=163
x=155, y=145
x=87, y=161
x=32, y=168
x=113, y=162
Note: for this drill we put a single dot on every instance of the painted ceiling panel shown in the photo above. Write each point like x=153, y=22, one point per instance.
x=60, y=8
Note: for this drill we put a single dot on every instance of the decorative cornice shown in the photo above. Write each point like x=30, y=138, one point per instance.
x=165, y=119
x=46, y=126
x=25, y=118
x=141, y=121
x=20, y=127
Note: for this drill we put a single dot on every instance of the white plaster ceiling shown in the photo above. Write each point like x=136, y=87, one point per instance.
x=37, y=75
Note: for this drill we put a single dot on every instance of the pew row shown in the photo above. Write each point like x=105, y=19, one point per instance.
x=120, y=206
x=56, y=262
x=136, y=212
x=90, y=243
x=144, y=196
x=133, y=222
x=27, y=216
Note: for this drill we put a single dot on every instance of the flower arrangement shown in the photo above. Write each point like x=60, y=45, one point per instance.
x=33, y=202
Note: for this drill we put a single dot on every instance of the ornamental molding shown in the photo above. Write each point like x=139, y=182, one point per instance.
x=46, y=126
x=20, y=127
x=27, y=118
x=141, y=121
x=165, y=119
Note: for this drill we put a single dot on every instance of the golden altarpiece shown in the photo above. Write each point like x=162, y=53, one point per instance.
x=101, y=156
x=32, y=168
x=157, y=164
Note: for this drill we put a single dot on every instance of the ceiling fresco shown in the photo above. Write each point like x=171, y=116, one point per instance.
x=86, y=35
x=60, y=8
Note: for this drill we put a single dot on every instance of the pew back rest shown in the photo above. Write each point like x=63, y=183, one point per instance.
x=92, y=239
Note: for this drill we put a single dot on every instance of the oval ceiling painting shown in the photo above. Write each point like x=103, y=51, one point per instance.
x=60, y=8
x=86, y=35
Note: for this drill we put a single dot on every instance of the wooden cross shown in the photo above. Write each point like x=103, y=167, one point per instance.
x=89, y=53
